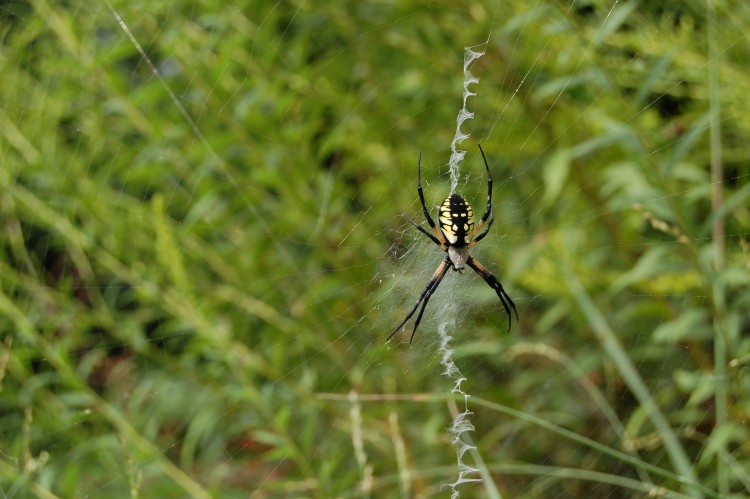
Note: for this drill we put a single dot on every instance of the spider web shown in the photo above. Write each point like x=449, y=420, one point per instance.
x=204, y=250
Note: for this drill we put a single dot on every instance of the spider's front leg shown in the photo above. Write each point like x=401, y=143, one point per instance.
x=489, y=212
x=426, y=212
x=420, y=229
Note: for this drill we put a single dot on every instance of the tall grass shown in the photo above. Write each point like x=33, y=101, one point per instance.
x=200, y=265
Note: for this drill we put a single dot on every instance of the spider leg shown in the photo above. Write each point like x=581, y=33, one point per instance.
x=492, y=281
x=426, y=294
x=424, y=303
x=489, y=213
x=481, y=236
x=426, y=212
x=420, y=229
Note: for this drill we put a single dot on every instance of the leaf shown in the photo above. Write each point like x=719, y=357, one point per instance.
x=722, y=438
x=655, y=75
x=556, y=172
x=700, y=385
x=691, y=324
x=736, y=200
x=648, y=266
x=615, y=19
x=687, y=141
x=592, y=78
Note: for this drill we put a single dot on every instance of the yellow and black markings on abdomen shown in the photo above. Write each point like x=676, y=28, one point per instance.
x=456, y=220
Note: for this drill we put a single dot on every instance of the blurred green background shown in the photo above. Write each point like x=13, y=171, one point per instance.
x=201, y=259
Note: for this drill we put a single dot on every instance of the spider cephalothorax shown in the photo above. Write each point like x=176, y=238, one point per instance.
x=456, y=235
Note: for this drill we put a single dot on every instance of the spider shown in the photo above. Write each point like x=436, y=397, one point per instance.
x=456, y=236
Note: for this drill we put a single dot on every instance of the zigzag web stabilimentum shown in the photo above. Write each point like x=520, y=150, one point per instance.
x=461, y=424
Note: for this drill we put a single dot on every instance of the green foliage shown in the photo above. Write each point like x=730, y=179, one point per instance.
x=199, y=266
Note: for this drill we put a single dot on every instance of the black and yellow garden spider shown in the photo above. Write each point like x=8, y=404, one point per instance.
x=456, y=236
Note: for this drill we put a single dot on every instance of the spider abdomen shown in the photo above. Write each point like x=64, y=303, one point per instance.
x=456, y=220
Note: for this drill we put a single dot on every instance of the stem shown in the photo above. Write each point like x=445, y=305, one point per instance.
x=615, y=350
x=718, y=236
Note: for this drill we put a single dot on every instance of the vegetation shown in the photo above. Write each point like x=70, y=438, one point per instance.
x=202, y=248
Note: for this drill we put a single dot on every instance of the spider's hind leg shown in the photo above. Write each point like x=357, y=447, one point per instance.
x=495, y=284
x=437, y=277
